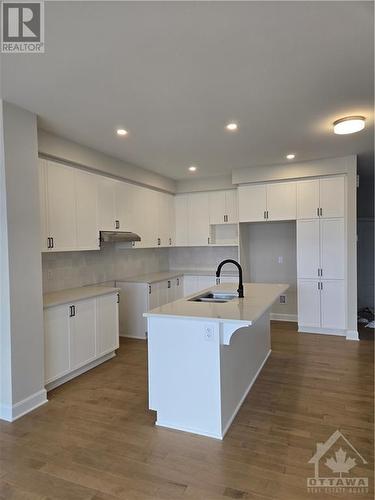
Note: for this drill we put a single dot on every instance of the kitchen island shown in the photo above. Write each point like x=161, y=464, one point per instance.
x=204, y=354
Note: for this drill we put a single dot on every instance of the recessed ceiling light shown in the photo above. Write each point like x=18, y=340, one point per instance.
x=232, y=126
x=290, y=156
x=192, y=168
x=122, y=131
x=349, y=125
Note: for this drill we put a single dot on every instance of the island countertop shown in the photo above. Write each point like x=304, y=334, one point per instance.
x=258, y=297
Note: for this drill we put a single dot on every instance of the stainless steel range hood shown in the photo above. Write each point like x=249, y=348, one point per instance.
x=118, y=236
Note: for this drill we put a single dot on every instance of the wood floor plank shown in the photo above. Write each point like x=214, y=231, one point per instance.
x=96, y=439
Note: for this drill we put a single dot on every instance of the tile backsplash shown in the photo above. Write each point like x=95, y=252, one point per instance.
x=72, y=269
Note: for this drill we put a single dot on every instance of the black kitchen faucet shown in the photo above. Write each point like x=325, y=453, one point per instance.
x=240, y=284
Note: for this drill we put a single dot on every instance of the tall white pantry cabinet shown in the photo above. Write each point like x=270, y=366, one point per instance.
x=321, y=255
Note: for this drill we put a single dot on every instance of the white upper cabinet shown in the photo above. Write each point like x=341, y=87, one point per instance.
x=165, y=220
x=321, y=198
x=106, y=204
x=61, y=206
x=308, y=199
x=252, y=203
x=181, y=203
x=216, y=206
x=231, y=206
x=332, y=248
x=332, y=196
x=308, y=250
x=87, y=210
x=261, y=202
x=223, y=207
x=198, y=219
x=281, y=201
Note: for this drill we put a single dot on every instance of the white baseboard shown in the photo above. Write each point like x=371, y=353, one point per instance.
x=284, y=317
x=187, y=429
x=10, y=413
x=352, y=335
x=322, y=331
x=79, y=371
x=133, y=336
x=229, y=423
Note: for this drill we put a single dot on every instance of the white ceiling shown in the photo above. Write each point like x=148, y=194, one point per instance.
x=173, y=73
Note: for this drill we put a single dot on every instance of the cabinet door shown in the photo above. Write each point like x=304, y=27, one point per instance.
x=87, y=211
x=332, y=196
x=151, y=200
x=83, y=334
x=56, y=342
x=179, y=287
x=308, y=261
x=198, y=219
x=154, y=295
x=252, y=203
x=181, y=220
x=171, y=220
x=106, y=204
x=308, y=303
x=333, y=304
x=332, y=248
x=42, y=166
x=107, y=325
x=61, y=201
x=231, y=206
x=308, y=199
x=165, y=230
x=281, y=201
x=171, y=290
x=216, y=206
x=123, y=206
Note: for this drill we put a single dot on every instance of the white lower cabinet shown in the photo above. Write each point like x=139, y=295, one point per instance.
x=107, y=324
x=77, y=334
x=82, y=333
x=57, y=327
x=321, y=305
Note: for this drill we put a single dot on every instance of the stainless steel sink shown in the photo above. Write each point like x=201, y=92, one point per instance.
x=219, y=297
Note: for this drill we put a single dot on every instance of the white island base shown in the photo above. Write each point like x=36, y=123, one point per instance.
x=200, y=370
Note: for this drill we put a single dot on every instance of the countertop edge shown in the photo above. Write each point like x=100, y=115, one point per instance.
x=76, y=294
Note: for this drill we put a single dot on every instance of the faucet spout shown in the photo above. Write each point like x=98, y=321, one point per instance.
x=240, y=284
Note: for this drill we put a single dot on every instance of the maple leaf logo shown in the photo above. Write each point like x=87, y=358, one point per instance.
x=340, y=464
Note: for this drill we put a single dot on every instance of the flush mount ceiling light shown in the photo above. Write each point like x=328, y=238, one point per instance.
x=122, y=131
x=291, y=156
x=192, y=168
x=231, y=126
x=349, y=125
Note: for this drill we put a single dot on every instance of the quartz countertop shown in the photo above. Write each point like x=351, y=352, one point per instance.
x=166, y=275
x=258, y=297
x=74, y=294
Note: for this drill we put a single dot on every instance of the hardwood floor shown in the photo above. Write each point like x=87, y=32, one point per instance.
x=95, y=439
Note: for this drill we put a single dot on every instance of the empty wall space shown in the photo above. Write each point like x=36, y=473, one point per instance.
x=201, y=258
x=268, y=255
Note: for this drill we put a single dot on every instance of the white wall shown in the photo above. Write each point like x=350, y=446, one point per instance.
x=201, y=258
x=58, y=148
x=263, y=243
x=204, y=184
x=22, y=342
